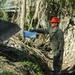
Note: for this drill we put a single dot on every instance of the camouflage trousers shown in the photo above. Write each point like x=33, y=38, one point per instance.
x=57, y=62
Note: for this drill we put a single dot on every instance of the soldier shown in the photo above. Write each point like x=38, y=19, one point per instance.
x=56, y=43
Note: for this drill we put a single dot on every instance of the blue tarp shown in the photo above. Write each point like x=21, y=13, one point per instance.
x=29, y=34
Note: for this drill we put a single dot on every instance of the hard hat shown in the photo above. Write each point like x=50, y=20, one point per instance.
x=55, y=19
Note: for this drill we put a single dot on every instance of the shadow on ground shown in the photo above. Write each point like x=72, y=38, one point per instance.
x=16, y=55
x=66, y=71
x=13, y=54
x=69, y=72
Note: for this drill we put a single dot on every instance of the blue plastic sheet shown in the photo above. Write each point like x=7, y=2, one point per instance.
x=28, y=34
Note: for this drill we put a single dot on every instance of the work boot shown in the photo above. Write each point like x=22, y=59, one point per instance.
x=51, y=73
x=57, y=73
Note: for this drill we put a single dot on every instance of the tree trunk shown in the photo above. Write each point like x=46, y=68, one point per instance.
x=23, y=12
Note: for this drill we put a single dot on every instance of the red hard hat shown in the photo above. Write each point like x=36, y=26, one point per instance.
x=55, y=19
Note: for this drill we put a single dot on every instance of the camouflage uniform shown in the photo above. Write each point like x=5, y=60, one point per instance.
x=56, y=44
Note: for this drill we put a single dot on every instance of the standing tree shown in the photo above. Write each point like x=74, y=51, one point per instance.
x=23, y=12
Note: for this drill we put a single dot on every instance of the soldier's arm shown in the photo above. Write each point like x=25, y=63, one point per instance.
x=41, y=30
x=61, y=40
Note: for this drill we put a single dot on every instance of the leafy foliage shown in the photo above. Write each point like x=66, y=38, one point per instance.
x=2, y=2
x=33, y=68
x=4, y=16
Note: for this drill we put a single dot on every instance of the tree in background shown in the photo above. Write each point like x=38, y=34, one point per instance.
x=23, y=13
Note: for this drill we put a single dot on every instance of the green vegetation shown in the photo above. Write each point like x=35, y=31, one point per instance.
x=33, y=68
x=4, y=16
